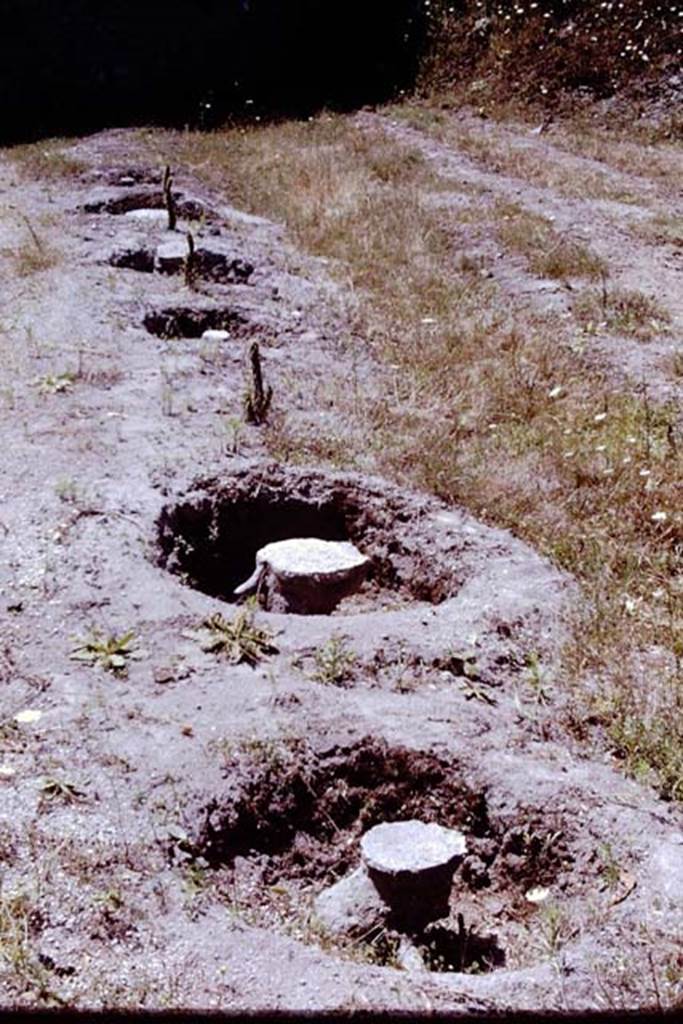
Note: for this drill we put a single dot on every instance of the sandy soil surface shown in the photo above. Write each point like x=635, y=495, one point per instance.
x=165, y=828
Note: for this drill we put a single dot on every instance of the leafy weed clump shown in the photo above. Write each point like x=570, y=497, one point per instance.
x=238, y=639
x=335, y=663
x=112, y=653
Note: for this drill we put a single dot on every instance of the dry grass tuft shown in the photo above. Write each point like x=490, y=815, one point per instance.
x=548, y=253
x=45, y=161
x=662, y=229
x=622, y=312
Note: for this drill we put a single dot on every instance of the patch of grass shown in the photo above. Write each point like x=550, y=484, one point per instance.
x=662, y=229
x=112, y=653
x=548, y=253
x=237, y=640
x=334, y=663
x=32, y=255
x=27, y=260
x=618, y=150
x=54, y=788
x=621, y=311
x=542, y=169
x=20, y=924
x=45, y=161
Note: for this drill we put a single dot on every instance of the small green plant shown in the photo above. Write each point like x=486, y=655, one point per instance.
x=53, y=788
x=169, y=199
x=536, y=678
x=190, y=262
x=237, y=640
x=195, y=879
x=16, y=913
x=55, y=384
x=67, y=490
x=556, y=928
x=110, y=653
x=610, y=867
x=257, y=398
x=334, y=662
x=232, y=425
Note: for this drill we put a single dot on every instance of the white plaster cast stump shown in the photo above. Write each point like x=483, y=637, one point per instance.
x=306, y=576
x=412, y=863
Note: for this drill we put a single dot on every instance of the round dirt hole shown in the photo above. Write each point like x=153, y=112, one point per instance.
x=211, y=536
x=191, y=322
x=285, y=828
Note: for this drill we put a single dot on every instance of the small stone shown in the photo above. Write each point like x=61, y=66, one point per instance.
x=28, y=717
x=215, y=335
x=475, y=873
x=410, y=846
x=538, y=894
x=170, y=256
x=352, y=906
x=152, y=216
x=412, y=865
x=164, y=674
x=409, y=957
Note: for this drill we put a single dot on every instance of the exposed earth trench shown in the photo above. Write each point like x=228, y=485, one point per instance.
x=164, y=829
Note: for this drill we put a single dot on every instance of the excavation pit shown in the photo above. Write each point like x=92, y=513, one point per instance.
x=210, y=261
x=291, y=816
x=133, y=257
x=176, y=322
x=212, y=535
x=134, y=199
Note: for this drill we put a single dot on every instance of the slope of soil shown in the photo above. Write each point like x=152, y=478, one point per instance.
x=587, y=202
x=153, y=852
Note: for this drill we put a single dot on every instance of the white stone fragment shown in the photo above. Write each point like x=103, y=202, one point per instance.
x=412, y=865
x=170, y=256
x=152, y=216
x=352, y=906
x=215, y=335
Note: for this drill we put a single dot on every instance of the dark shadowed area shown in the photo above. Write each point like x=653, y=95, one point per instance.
x=76, y=65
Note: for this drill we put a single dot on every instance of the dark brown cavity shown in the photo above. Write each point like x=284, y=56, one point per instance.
x=190, y=322
x=211, y=537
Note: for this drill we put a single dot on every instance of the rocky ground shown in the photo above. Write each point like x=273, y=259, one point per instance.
x=172, y=803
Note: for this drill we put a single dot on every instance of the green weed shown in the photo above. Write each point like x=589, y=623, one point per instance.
x=237, y=640
x=112, y=653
